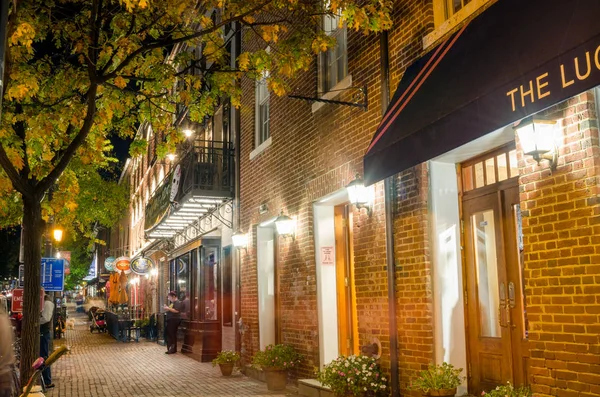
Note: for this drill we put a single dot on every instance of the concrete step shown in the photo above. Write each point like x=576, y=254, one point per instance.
x=313, y=388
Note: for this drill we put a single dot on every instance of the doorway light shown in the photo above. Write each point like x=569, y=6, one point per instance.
x=536, y=135
x=285, y=225
x=240, y=240
x=359, y=194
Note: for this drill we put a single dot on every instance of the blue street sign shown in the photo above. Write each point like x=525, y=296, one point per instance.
x=53, y=274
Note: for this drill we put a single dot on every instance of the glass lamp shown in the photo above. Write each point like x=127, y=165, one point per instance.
x=240, y=240
x=536, y=135
x=285, y=225
x=359, y=194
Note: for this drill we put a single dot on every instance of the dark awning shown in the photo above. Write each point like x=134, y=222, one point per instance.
x=515, y=59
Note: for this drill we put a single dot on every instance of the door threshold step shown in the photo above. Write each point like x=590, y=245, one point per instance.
x=313, y=388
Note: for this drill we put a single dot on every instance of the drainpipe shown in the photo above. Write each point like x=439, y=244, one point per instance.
x=390, y=194
x=236, y=127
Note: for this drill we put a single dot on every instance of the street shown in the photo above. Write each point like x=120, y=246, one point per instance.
x=99, y=366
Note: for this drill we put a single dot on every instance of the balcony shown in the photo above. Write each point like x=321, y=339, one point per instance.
x=198, y=184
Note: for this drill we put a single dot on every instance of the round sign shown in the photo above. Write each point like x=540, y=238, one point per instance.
x=175, y=183
x=122, y=263
x=109, y=263
x=142, y=265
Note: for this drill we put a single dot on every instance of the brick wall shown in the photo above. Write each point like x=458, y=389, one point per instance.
x=314, y=154
x=561, y=224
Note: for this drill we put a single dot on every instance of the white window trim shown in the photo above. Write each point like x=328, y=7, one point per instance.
x=444, y=26
x=261, y=148
x=334, y=92
x=257, y=120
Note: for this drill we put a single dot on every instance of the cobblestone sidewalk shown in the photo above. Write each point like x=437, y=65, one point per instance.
x=99, y=366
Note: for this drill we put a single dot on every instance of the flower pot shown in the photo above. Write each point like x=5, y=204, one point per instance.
x=276, y=378
x=441, y=392
x=226, y=369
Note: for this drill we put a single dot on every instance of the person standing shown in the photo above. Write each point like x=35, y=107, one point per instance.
x=45, y=324
x=7, y=356
x=173, y=319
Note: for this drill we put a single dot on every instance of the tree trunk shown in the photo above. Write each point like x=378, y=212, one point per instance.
x=33, y=230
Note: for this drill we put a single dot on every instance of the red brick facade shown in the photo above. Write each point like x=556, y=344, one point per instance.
x=317, y=153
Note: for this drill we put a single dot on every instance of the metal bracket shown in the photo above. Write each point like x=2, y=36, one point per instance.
x=360, y=98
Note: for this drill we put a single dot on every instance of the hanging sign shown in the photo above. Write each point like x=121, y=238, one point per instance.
x=123, y=264
x=142, y=266
x=109, y=263
x=175, y=183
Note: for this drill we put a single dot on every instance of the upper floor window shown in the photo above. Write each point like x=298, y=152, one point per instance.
x=448, y=14
x=333, y=64
x=262, y=110
x=454, y=6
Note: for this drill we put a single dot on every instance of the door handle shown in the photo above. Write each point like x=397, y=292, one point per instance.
x=511, y=304
x=502, y=307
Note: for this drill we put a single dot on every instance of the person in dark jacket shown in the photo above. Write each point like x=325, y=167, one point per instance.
x=173, y=310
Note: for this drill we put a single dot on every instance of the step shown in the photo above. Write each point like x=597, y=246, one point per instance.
x=313, y=388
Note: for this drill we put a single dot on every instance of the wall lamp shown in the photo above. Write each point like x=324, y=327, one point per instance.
x=359, y=194
x=240, y=240
x=171, y=156
x=188, y=132
x=536, y=135
x=285, y=226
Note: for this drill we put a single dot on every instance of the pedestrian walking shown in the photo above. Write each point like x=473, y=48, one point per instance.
x=45, y=324
x=7, y=356
x=173, y=319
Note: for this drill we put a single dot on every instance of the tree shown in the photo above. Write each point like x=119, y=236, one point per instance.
x=80, y=70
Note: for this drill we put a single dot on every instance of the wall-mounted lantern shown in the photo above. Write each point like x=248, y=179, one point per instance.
x=240, y=240
x=359, y=194
x=285, y=226
x=536, y=135
x=171, y=156
x=188, y=132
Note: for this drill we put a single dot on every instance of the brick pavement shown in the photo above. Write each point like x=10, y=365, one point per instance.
x=99, y=366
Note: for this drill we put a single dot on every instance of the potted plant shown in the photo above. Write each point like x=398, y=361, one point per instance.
x=226, y=360
x=354, y=376
x=508, y=390
x=438, y=380
x=275, y=361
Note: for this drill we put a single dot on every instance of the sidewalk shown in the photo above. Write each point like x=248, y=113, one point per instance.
x=99, y=366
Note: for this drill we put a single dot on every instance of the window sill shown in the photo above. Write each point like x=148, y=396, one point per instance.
x=261, y=148
x=452, y=22
x=334, y=92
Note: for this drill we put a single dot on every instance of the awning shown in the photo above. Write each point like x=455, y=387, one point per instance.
x=515, y=59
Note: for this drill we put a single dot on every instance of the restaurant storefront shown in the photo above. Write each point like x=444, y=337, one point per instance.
x=501, y=119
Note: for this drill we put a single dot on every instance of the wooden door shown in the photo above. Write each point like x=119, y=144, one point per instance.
x=497, y=332
x=346, y=303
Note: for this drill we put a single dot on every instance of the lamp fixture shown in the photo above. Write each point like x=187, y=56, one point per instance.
x=171, y=156
x=188, y=132
x=285, y=225
x=240, y=240
x=536, y=135
x=58, y=234
x=359, y=194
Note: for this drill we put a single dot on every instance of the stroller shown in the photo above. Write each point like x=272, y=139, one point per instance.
x=98, y=321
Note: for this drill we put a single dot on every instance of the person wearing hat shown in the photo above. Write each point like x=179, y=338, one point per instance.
x=173, y=310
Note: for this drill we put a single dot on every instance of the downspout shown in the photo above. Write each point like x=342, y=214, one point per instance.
x=236, y=127
x=390, y=194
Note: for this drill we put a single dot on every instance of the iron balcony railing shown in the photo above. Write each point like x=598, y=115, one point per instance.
x=207, y=170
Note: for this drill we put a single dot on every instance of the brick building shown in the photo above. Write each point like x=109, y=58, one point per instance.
x=495, y=259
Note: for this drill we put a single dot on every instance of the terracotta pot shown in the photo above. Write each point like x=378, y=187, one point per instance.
x=226, y=369
x=276, y=378
x=442, y=392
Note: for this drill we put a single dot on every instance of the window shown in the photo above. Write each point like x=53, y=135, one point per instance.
x=454, y=6
x=448, y=14
x=262, y=110
x=333, y=64
x=227, y=288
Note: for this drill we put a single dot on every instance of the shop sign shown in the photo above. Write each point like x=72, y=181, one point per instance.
x=16, y=305
x=158, y=207
x=53, y=274
x=109, y=263
x=142, y=265
x=123, y=264
x=327, y=257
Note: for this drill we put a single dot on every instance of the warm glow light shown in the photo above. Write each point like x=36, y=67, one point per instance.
x=154, y=272
x=188, y=132
x=240, y=240
x=58, y=234
x=285, y=225
x=171, y=156
x=358, y=193
x=536, y=135
x=58, y=255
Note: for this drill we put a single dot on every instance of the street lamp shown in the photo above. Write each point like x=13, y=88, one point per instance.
x=188, y=132
x=58, y=234
x=536, y=135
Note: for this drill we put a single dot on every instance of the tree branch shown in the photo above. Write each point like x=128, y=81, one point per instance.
x=17, y=181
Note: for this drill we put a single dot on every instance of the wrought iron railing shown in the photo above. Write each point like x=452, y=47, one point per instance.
x=208, y=167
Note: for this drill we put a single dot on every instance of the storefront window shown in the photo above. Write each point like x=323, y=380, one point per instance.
x=180, y=281
x=210, y=277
